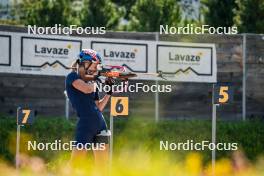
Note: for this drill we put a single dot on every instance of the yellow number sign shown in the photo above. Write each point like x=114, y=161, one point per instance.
x=224, y=94
x=26, y=113
x=119, y=106
x=25, y=116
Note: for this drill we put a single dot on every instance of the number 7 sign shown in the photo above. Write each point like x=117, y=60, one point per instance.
x=24, y=116
x=119, y=106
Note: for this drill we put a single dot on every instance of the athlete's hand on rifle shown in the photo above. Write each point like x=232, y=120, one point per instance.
x=96, y=77
x=110, y=82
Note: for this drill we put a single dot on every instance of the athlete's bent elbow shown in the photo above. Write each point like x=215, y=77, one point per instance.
x=100, y=108
x=88, y=90
x=83, y=87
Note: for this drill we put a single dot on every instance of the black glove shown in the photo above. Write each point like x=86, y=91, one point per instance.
x=110, y=82
x=97, y=79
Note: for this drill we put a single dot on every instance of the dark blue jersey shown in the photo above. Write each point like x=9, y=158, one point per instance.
x=83, y=103
x=91, y=121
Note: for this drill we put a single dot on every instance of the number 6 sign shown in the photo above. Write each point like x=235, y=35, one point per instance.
x=119, y=106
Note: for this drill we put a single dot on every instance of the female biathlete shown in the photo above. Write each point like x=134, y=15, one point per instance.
x=91, y=127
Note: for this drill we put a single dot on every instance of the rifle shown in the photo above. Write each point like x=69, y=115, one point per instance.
x=119, y=72
x=115, y=72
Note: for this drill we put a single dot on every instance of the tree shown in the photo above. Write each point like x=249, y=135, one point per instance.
x=127, y=4
x=63, y=11
x=220, y=12
x=44, y=12
x=148, y=15
x=101, y=13
x=250, y=16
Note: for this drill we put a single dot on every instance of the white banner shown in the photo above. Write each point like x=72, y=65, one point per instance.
x=5, y=50
x=40, y=53
x=132, y=55
x=187, y=62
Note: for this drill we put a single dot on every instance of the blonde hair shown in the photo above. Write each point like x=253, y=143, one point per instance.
x=75, y=65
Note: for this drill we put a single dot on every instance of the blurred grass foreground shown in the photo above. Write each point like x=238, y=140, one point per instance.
x=136, y=149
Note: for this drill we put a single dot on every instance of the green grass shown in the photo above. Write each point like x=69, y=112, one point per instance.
x=135, y=133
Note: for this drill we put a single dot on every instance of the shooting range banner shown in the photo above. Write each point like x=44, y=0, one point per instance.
x=187, y=62
x=132, y=55
x=5, y=50
x=41, y=53
x=50, y=55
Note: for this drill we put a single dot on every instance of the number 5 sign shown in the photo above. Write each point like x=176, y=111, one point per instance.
x=119, y=106
x=223, y=93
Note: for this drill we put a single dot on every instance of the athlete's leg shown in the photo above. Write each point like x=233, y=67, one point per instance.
x=101, y=154
x=77, y=156
x=83, y=135
x=102, y=139
x=101, y=157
